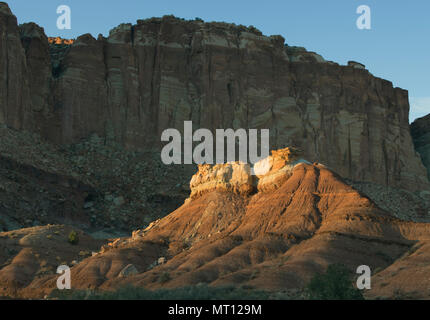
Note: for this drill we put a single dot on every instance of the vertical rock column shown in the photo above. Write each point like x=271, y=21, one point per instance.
x=14, y=91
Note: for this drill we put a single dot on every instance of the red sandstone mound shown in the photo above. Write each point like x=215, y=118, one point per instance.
x=272, y=232
x=30, y=253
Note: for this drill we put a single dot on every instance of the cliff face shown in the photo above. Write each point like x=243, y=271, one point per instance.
x=420, y=130
x=156, y=74
x=14, y=87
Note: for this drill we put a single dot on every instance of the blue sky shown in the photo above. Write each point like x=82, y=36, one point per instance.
x=397, y=47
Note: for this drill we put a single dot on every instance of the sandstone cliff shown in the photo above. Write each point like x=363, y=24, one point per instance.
x=147, y=77
x=420, y=130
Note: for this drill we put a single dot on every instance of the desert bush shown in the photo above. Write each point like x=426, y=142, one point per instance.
x=335, y=284
x=73, y=237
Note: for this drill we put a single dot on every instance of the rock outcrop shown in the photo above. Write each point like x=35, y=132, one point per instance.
x=231, y=177
x=420, y=130
x=147, y=77
x=237, y=177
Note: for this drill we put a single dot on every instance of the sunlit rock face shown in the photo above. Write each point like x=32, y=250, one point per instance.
x=230, y=177
x=273, y=171
x=60, y=41
x=154, y=75
x=237, y=177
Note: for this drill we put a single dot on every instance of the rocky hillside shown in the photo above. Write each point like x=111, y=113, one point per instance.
x=34, y=252
x=91, y=185
x=153, y=75
x=271, y=232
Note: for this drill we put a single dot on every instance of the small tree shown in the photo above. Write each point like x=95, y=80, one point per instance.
x=334, y=284
x=73, y=238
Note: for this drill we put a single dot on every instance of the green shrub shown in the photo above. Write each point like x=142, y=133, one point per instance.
x=73, y=238
x=335, y=284
x=164, y=277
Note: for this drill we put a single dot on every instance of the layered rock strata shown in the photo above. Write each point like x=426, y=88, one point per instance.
x=143, y=78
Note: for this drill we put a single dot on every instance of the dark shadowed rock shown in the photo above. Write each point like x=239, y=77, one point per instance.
x=420, y=130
